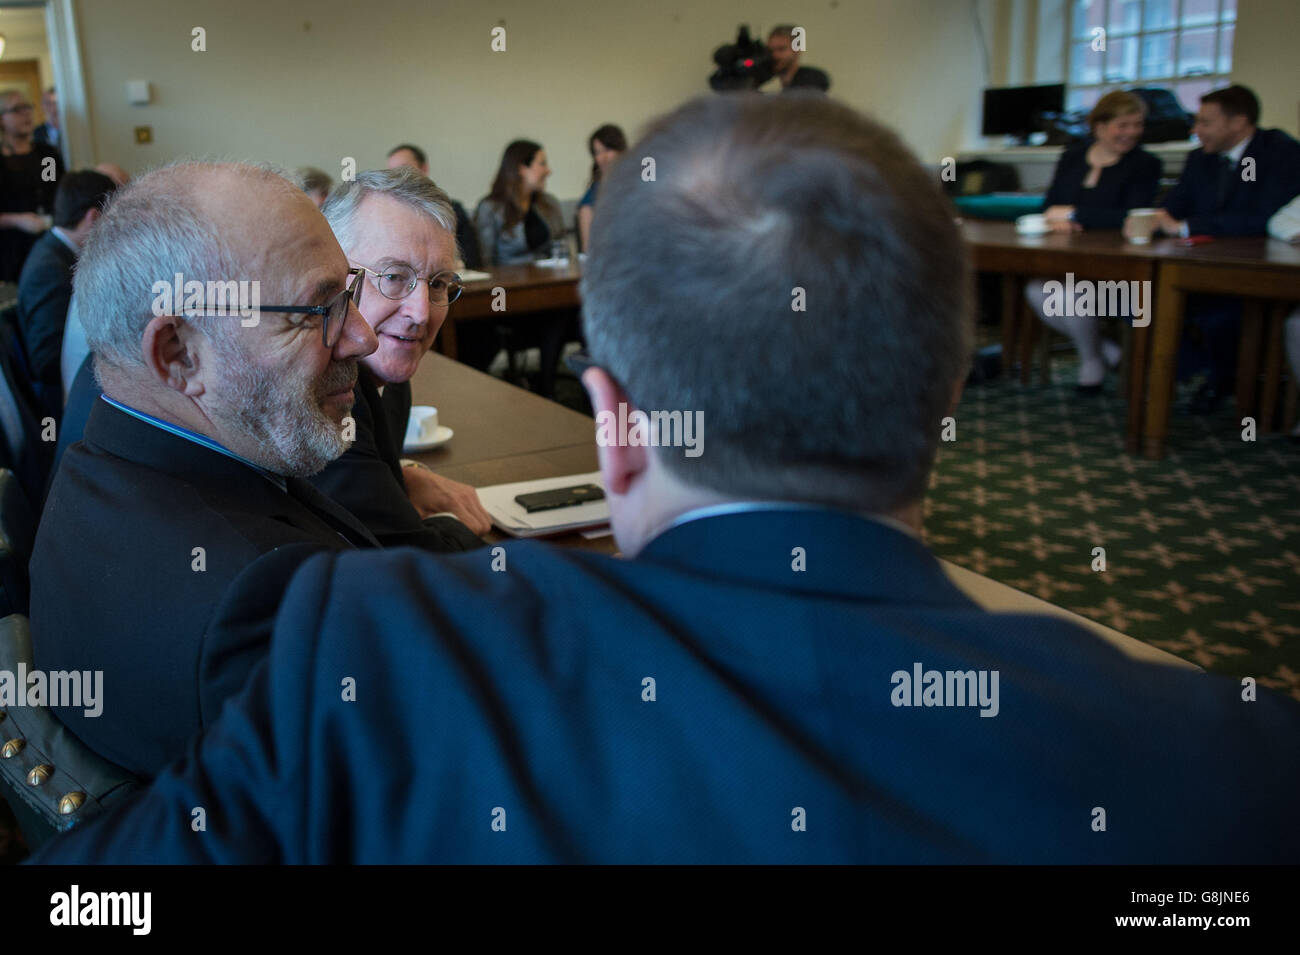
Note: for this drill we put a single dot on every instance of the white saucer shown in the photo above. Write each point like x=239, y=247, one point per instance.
x=440, y=437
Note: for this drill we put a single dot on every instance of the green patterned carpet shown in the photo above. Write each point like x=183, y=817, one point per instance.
x=1202, y=549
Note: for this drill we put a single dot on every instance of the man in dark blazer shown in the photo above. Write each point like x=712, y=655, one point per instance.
x=49, y=132
x=1230, y=186
x=172, y=527
x=398, y=226
x=45, y=286
x=779, y=671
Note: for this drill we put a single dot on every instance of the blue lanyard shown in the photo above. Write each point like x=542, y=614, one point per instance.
x=197, y=438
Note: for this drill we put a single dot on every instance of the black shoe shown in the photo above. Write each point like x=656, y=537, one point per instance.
x=1205, y=401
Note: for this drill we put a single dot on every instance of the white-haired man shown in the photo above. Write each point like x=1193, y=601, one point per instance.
x=398, y=228
x=171, y=528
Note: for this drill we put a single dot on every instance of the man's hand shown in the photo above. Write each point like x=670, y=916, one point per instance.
x=432, y=494
x=29, y=222
x=1167, y=223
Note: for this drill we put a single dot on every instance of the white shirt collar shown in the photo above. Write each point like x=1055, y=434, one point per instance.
x=1239, y=150
x=66, y=239
x=744, y=507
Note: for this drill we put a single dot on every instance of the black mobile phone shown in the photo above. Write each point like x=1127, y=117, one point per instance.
x=560, y=497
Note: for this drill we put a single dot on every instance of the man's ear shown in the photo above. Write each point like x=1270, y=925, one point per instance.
x=621, y=464
x=169, y=349
x=90, y=218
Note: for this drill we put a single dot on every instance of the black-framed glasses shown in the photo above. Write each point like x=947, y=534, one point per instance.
x=334, y=313
x=20, y=108
x=398, y=281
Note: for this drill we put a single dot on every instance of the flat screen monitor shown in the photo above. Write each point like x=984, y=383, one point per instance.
x=1011, y=111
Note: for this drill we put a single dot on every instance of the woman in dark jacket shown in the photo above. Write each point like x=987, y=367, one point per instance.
x=1100, y=179
x=1095, y=185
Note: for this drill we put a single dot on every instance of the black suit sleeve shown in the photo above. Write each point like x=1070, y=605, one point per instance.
x=248, y=770
x=1276, y=182
x=237, y=637
x=45, y=313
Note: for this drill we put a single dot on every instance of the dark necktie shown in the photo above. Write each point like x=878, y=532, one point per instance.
x=1227, y=170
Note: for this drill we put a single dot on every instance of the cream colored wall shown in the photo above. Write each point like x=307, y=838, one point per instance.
x=365, y=76
x=1265, y=58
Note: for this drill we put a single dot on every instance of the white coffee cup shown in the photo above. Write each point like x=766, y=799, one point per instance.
x=1140, y=225
x=1033, y=224
x=422, y=426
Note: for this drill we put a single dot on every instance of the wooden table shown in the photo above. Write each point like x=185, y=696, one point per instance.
x=1096, y=256
x=1250, y=267
x=529, y=290
x=503, y=433
x=1254, y=267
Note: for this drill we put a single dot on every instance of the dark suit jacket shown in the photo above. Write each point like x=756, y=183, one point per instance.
x=367, y=478
x=44, y=290
x=114, y=584
x=1247, y=204
x=520, y=694
x=1129, y=184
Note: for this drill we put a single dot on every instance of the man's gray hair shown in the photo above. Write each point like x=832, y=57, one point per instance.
x=152, y=229
x=404, y=184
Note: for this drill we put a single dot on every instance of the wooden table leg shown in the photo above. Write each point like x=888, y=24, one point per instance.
x=1252, y=334
x=1168, y=332
x=1030, y=329
x=1139, y=347
x=1273, y=348
x=1011, y=292
x=447, y=338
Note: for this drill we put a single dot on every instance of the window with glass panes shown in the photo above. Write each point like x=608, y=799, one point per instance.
x=1181, y=45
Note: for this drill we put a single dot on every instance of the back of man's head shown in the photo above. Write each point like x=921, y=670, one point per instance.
x=79, y=192
x=793, y=273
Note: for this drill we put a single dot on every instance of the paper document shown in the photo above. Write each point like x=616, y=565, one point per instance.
x=499, y=501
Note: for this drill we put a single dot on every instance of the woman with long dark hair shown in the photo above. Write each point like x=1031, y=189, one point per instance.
x=606, y=145
x=518, y=218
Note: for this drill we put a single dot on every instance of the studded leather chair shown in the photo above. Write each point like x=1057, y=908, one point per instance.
x=50, y=779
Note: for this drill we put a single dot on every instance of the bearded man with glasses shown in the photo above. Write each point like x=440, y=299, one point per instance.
x=172, y=527
x=398, y=231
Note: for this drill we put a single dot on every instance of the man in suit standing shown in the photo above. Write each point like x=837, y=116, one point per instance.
x=171, y=529
x=780, y=671
x=398, y=228
x=785, y=63
x=48, y=132
x=1231, y=186
x=45, y=286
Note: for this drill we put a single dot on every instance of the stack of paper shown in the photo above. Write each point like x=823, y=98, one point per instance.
x=511, y=518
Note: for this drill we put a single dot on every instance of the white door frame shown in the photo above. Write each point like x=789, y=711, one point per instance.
x=65, y=61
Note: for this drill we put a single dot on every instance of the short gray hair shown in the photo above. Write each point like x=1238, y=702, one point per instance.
x=690, y=291
x=152, y=229
x=404, y=184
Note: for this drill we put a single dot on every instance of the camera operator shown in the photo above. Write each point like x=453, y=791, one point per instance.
x=785, y=63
